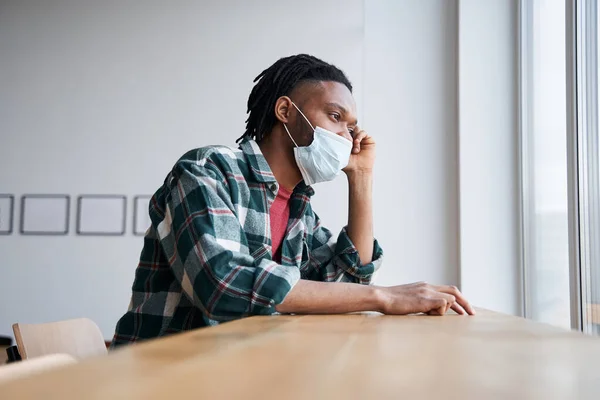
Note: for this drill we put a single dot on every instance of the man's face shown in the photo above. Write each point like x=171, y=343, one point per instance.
x=329, y=105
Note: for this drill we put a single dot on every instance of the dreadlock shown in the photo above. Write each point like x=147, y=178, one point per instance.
x=279, y=80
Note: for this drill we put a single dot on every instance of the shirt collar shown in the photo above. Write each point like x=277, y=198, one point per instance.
x=304, y=189
x=257, y=162
x=259, y=167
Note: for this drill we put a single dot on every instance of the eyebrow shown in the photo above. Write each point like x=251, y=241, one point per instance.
x=342, y=109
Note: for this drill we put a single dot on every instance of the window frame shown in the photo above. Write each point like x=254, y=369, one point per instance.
x=573, y=163
x=525, y=88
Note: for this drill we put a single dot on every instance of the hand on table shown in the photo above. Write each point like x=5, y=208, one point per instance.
x=422, y=297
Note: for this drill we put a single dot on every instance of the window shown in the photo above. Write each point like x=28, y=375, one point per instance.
x=560, y=167
x=544, y=162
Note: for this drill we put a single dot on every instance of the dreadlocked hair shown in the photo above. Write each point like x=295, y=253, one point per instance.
x=279, y=80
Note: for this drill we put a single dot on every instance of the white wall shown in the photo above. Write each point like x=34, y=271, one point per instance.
x=410, y=104
x=103, y=97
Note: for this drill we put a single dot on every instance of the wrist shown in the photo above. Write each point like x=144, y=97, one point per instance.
x=359, y=175
x=380, y=300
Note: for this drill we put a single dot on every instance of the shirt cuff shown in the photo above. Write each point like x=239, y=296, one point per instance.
x=278, y=284
x=350, y=259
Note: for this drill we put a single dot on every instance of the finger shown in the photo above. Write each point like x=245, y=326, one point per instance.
x=448, y=305
x=358, y=138
x=448, y=297
x=458, y=309
x=437, y=306
x=450, y=300
x=460, y=298
x=368, y=139
x=441, y=301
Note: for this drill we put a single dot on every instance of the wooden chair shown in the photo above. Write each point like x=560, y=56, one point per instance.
x=5, y=343
x=29, y=367
x=79, y=338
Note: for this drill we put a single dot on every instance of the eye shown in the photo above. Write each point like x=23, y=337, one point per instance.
x=336, y=116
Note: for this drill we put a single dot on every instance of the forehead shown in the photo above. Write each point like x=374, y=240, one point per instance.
x=319, y=94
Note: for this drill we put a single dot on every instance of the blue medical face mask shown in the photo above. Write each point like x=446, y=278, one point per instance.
x=326, y=156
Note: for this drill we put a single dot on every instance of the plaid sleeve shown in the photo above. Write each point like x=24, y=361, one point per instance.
x=208, y=250
x=338, y=260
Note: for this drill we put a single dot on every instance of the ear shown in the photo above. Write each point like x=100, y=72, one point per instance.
x=283, y=106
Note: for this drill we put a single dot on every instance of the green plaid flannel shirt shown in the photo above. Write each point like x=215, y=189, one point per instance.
x=207, y=257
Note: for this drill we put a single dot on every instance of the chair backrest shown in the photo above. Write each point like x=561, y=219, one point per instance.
x=79, y=338
x=29, y=367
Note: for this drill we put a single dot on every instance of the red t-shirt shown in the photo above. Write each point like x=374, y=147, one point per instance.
x=280, y=214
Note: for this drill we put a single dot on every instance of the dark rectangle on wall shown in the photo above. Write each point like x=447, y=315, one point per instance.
x=45, y=214
x=101, y=215
x=141, y=216
x=7, y=207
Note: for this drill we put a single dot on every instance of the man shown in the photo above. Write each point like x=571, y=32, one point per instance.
x=233, y=233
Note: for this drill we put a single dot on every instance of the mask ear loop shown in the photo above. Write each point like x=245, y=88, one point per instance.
x=301, y=113
x=288, y=132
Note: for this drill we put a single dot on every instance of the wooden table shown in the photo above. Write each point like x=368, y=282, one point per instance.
x=362, y=356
